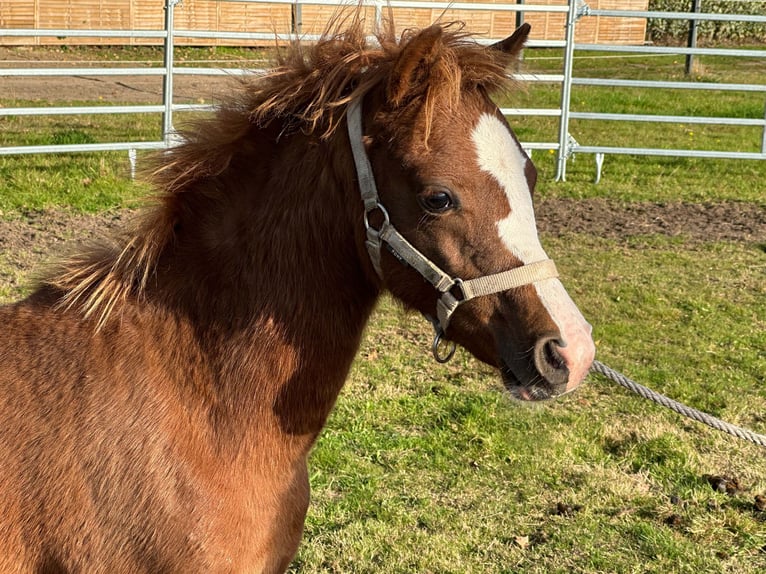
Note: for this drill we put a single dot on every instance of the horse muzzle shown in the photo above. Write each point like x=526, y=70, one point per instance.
x=554, y=368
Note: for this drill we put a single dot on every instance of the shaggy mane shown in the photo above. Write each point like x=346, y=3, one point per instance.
x=308, y=90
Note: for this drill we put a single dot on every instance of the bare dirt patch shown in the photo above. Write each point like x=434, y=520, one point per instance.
x=43, y=231
x=725, y=221
x=32, y=238
x=133, y=89
x=115, y=89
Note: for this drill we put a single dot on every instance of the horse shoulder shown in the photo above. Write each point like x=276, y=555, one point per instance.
x=85, y=437
x=106, y=435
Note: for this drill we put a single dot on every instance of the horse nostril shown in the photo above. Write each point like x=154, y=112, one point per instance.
x=549, y=362
x=552, y=356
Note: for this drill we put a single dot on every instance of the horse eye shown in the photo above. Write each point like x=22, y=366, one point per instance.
x=437, y=201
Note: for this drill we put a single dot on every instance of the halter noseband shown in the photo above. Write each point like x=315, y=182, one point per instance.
x=454, y=291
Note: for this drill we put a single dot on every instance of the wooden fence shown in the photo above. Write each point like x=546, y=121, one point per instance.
x=266, y=17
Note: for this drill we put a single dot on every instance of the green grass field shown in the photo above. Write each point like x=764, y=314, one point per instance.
x=433, y=468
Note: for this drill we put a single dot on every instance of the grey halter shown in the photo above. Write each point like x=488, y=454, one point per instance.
x=454, y=290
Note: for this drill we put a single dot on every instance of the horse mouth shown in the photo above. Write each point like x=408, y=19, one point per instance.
x=536, y=389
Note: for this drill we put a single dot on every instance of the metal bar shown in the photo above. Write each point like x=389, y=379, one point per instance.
x=529, y=44
x=167, y=85
x=90, y=110
x=378, y=15
x=669, y=85
x=77, y=148
x=678, y=15
x=540, y=145
x=670, y=152
x=566, y=91
x=530, y=112
x=692, y=40
x=553, y=78
x=478, y=6
x=82, y=71
x=271, y=37
x=77, y=110
x=195, y=107
x=763, y=140
x=217, y=71
x=265, y=36
x=297, y=18
x=190, y=71
x=67, y=33
x=667, y=119
x=426, y=5
x=673, y=50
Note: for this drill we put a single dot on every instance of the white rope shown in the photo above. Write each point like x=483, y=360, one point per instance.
x=680, y=408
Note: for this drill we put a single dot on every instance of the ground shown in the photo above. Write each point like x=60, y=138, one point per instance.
x=30, y=238
x=108, y=89
x=724, y=221
x=36, y=236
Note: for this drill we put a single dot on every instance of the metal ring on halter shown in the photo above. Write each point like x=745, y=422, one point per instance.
x=438, y=337
x=458, y=283
x=386, y=220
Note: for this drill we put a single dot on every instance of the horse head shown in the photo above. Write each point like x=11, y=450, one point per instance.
x=453, y=205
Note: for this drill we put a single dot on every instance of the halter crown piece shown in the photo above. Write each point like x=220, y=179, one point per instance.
x=453, y=290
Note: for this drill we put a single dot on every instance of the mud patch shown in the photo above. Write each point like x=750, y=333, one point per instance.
x=29, y=240
x=725, y=221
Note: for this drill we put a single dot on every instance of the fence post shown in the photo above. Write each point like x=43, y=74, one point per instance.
x=378, y=15
x=297, y=16
x=519, y=22
x=519, y=14
x=692, y=40
x=763, y=137
x=566, y=89
x=167, y=86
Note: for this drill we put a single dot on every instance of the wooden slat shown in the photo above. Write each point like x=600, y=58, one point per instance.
x=269, y=18
x=196, y=16
x=241, y=17
x=18, y=14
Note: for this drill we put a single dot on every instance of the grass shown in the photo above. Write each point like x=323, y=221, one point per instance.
x=432, y=468
x=635, y=178
x=82, y=182
x=424, y=468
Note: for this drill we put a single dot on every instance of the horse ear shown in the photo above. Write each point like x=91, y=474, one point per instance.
x=413, y=66
x=513, y=44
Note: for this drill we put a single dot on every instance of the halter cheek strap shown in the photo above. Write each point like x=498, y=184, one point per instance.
x=453, y=290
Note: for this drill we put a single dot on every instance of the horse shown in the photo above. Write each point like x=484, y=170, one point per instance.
x=160, y=390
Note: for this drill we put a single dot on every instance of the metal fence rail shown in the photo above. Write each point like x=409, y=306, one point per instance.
x=130, y=146
x=569, y=145
x=565, y=145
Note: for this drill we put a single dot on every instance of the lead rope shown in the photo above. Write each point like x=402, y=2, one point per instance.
x=444, y=283
x=680, y=408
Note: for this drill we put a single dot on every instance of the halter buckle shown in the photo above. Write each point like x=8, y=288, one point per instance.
x=373, y=241
x=460, y=296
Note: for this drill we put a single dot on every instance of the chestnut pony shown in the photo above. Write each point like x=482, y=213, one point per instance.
x=159, y=394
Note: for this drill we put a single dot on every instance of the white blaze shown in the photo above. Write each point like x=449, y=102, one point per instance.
x=500, y=155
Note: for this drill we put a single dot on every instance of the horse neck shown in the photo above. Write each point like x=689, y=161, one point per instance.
x=269, y=272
